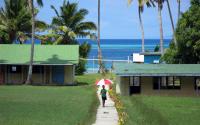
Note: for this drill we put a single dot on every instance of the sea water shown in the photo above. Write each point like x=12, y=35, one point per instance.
x=118, y=49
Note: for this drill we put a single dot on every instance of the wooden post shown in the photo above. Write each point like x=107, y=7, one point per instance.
x=44, y=80
x=6, y=74
x=22, y=74
x=50, y=74
x=73, y=72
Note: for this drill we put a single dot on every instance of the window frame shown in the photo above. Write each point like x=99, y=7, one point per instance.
x=18, y=69
x=159, y=85
x=195, y=83
x=132, y=81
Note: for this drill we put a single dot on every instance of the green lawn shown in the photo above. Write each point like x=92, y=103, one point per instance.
x=156, y=110
x=49, y=105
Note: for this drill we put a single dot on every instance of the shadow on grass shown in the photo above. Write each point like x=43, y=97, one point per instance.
x=150, y=115
x=82, y=83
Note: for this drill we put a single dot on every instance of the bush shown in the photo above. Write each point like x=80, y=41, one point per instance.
x=188, y=38
x=84, y=50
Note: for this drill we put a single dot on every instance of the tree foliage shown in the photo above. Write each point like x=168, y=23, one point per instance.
x=14, y=18
x=188, y=38
x=68, y=25
x=72, y=19
x=84, y=50
x=15, y=21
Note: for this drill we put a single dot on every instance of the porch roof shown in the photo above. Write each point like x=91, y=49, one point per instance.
x=43, y=55
x=130, y=69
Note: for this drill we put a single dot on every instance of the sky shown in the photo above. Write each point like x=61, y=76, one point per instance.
x=118, y=20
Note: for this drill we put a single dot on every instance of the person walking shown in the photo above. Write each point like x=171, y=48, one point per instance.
x=103, y=95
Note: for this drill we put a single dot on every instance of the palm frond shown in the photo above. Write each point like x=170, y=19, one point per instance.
x=52, y=7
x=40, y=3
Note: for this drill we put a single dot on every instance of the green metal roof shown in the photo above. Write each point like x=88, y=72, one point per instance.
x=43, y=54
x=131, y=69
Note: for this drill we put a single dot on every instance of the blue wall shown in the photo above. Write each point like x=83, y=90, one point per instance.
x=151, y=58
x=58, y=74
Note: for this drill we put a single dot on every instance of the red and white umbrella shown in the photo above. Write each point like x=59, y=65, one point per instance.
x=104, y=82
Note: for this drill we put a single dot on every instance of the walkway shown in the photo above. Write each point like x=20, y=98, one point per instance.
x=106, y=115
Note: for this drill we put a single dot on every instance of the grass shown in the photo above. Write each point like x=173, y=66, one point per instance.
x=156, y=110
x=49, y=105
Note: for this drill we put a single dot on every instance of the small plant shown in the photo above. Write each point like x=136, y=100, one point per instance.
x=119, y=106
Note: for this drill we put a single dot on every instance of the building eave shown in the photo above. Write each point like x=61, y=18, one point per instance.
x=158, y=74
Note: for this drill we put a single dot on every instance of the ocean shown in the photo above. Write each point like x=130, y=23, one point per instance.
x=118, y=49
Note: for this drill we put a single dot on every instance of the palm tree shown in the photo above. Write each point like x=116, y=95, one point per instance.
x=101, y=68
x=141, y=4
x=31, y=6
x=70, y=24
x=160, y=6
x=179, y=8
x=15, y=22
x=172, y=22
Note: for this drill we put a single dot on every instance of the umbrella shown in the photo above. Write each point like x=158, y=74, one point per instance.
x=104, y=82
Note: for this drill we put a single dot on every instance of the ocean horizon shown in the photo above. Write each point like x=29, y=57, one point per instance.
x=118, y=49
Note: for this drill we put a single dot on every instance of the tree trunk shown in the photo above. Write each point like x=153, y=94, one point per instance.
x=101, y=68
x=29, y=77
x=179, y=9
x=172, y=22
x=142, y=28
x=161, y=28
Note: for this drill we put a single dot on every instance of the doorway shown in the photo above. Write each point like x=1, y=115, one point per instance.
x=1, y=76
x=58, y=74
x=135, y=85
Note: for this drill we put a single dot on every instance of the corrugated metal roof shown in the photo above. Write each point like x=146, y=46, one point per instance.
x=43, y=54
x=130, y=69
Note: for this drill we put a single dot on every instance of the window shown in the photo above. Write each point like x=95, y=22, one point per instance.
x=15, y=69
x=38, y=69
x=197, y=83
x=134, y=81
x=135, y=85
x=166, y=83
x=177, y=82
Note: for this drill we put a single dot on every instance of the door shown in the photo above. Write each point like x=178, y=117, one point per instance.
x=58, y=74
x=135, y=87
x=1, y=75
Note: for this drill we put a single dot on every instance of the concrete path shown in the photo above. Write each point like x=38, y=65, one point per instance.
x=106, y=115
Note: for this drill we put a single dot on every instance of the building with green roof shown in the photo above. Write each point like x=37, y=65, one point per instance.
x=52, y=64
x=162, y=79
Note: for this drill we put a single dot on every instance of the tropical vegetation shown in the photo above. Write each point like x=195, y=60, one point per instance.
x=141, y=3
x=101, y=65
x=15, y=22
x=18, y=24
x=188, y=38
x=30, y=4
x=73, y=19
x=68, y=25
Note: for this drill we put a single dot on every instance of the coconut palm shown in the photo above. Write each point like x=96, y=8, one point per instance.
x=15, y=22
x=31, y=6
x=101, y=67
x=172, y=22
x=141, y=4
x=179, y=8
x=160, y=6
x=69, y=23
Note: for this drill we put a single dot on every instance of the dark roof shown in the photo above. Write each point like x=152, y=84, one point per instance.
x=43, y=54
x=130, y=69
